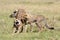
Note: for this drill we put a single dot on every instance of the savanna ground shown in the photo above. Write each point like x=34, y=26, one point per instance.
x=49, y=8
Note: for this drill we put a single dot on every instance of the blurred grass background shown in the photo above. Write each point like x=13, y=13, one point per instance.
x=49, y=8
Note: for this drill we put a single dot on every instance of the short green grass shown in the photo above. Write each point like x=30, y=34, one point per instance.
x=49, y=8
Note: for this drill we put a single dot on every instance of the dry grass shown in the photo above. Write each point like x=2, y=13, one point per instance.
x=49, y=8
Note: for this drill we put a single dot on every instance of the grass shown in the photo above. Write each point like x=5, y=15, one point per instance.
x=49, y=8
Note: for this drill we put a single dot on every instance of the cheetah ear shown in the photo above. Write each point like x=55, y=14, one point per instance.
x=25, y=15
x=16, y=10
